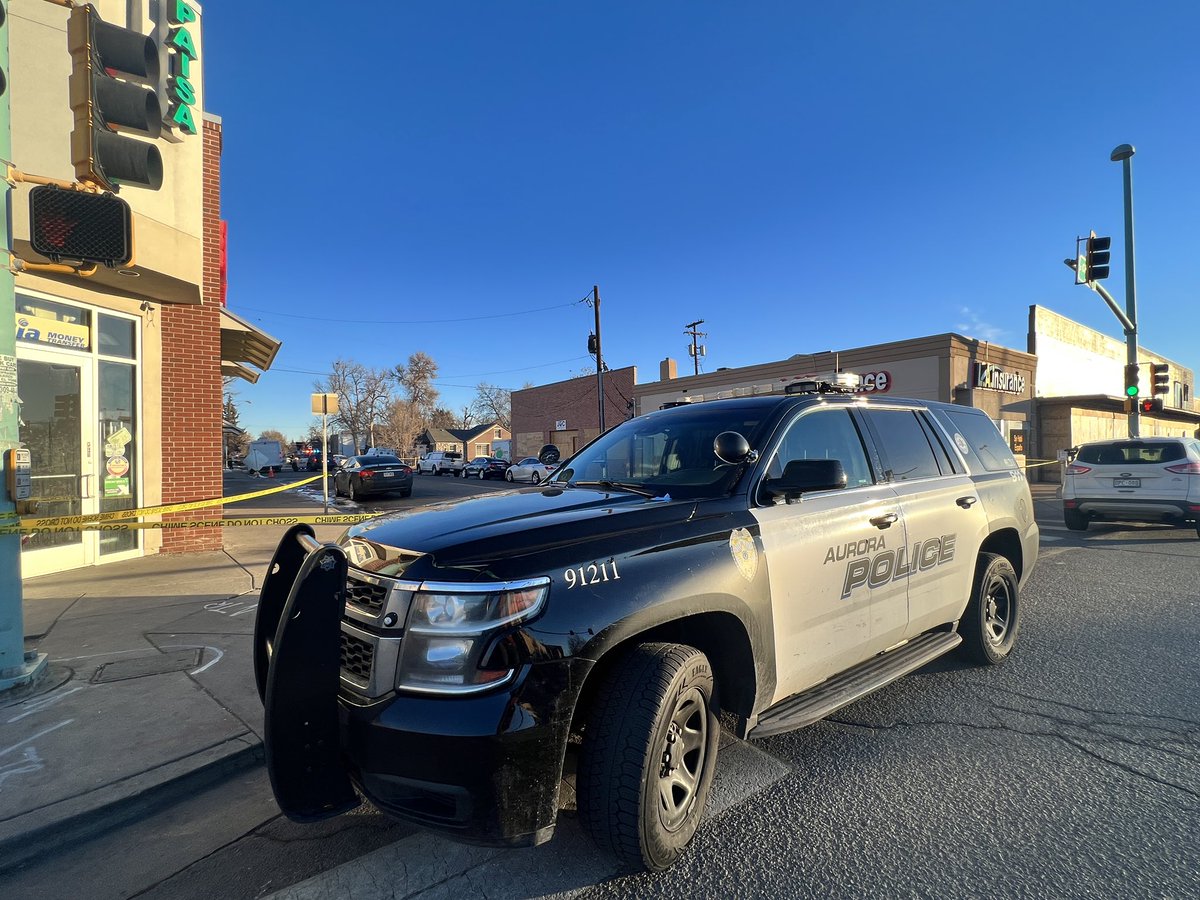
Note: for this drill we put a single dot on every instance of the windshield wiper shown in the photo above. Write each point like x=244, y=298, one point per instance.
x=615, y=486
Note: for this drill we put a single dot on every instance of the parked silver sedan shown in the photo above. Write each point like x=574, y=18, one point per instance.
x=528, y=469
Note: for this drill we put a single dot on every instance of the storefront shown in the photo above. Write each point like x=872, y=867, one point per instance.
x=79, y=376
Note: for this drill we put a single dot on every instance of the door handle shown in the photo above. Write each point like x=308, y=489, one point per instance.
x=966, y=502
x=887, y=520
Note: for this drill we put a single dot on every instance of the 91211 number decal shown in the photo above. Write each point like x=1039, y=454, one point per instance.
x=592, y=573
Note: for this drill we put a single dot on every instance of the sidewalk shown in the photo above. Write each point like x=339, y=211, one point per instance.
x=150, y=690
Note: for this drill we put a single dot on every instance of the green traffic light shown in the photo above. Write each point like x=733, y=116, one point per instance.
x=1131, y=390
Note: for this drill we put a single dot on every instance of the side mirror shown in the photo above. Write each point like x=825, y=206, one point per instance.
x=730, y=447
x=804, y=475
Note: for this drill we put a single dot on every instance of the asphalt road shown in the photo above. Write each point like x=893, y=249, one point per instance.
x=1071, y=771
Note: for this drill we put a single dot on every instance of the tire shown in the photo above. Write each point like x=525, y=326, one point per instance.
x=993, y=616
x=350, y=489
x=1075, y=520
x=508, y=476
x=337, y=492
x=536, y=478
x=407, y=493
x=654, y=695
x=481, y=474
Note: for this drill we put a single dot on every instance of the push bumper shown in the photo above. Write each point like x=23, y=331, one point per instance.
x=482, y=768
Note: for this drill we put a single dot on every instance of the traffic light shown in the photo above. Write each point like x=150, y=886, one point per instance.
x=80, y=226
x=1161, y=375
x=1131, y=380
x=1151, y=405
x=109, y=65
x=1097, y=257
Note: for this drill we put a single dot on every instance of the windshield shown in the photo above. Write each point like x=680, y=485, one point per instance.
x=665, y=453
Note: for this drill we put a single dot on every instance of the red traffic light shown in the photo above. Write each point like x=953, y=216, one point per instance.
x=1150, y=405
x=78, y=226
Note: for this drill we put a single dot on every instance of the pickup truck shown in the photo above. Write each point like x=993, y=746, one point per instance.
x=440, y=461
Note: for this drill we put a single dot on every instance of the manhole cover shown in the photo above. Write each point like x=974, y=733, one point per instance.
x=159, y=664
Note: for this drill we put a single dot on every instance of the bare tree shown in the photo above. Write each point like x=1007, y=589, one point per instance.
x=399, y=426
x=466, y=417
x=416, y=383
x=493, y=404
x=272, y=435
x=443, y=418
x=362, y=393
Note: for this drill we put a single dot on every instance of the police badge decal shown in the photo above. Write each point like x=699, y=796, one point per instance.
x=745, y=552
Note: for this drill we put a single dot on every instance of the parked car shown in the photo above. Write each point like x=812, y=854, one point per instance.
x=529, y=469
x=1151, y=479
x=440, y=461
x=482, y=467
x=361, y=476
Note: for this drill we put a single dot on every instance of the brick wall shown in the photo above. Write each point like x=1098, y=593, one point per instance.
x=536, y=411
x=192, y=388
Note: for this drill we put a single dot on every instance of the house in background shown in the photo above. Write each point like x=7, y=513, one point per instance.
x=479, y=440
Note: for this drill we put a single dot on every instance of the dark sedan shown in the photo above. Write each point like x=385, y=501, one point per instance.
x=482, y=467
x=361, y=476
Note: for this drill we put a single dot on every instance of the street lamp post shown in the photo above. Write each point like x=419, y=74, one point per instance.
x=1124, y=155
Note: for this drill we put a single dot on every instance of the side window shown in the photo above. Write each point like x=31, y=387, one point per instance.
x=906, y=449
x=983, y=441
x=944, y=457
x=824, y=434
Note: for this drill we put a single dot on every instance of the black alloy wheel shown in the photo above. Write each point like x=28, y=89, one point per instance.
x=993, y=616
x=649, y=752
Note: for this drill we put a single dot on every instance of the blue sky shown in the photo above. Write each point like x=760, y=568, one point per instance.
x=802, y=177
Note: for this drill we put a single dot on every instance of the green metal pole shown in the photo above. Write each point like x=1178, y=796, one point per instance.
x=15, y=668
x=1124, y=154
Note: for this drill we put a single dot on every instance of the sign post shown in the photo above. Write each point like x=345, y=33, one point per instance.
x=325, y=405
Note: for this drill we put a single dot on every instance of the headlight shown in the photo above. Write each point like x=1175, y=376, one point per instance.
x=447, y=630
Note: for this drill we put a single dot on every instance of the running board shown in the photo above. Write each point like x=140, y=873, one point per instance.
x=840, y=690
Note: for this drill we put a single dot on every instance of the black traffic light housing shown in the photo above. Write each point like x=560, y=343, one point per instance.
x=77, y=226
x=109, y=66
x=1097, y=257
x=1161, y=375
x=1131, y=381
x=1151, y=405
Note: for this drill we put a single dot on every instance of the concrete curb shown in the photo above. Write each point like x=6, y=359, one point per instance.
x=42, y=831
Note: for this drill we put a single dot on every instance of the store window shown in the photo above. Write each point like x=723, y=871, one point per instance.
x=118, y=436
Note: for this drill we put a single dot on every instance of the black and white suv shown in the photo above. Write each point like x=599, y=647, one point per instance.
x=1151, y=479
x=768, y=558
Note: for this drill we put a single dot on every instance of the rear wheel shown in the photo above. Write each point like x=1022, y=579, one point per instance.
x=993, y=616
x=648, y=755
x=350, y=488
x=1075, y=520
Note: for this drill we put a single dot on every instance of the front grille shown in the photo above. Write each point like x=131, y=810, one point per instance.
x=366, y=595
x=357, y=658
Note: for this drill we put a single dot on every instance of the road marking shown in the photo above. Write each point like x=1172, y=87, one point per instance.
x=35, y=737
x=35, y=706
x=29, y=762
x=430, y=866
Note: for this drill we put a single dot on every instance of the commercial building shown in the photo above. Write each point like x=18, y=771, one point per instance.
x=567, y=413
x=119, y=373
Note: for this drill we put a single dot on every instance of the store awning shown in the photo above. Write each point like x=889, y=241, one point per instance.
x=242, y=346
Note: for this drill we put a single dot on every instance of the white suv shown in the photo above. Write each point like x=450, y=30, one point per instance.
x=1152, y=479
x=440, y=461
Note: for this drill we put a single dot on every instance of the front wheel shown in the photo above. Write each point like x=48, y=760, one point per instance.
x=508, y=476
x=537, y=479
x=993, y=616
x=648, y=755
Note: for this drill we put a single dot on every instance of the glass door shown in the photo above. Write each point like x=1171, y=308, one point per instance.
x=58, y=429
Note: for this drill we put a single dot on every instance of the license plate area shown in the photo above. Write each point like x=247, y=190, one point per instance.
x=388, y=474
x=1127, y=482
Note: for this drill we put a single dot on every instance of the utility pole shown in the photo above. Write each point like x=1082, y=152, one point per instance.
x=16, y=668
x=690, y=328
x=599, y=357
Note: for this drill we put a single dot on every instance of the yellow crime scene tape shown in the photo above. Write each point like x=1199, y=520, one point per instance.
x=1040, y=462
x=116, y=520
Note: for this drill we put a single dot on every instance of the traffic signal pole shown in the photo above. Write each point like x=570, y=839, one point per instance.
x=1124, y=154
x=15, y=668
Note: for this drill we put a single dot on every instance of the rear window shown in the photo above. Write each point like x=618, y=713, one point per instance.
x=1130, y=453
x=379, y=458
x=452, y=455
x=982, y=440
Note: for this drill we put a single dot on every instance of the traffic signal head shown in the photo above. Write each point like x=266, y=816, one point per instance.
x=1161, y=374
x=1151, y=405
x=109, y=66
x=1131, y=380
x=79, y=226
x=1097, y=257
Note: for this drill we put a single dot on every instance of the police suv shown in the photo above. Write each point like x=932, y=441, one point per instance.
x=768, y=559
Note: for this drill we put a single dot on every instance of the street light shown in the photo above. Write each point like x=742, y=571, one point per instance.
x=1124, y=155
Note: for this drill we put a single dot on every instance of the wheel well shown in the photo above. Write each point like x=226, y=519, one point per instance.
x=1007, y=543
x=720, y=636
